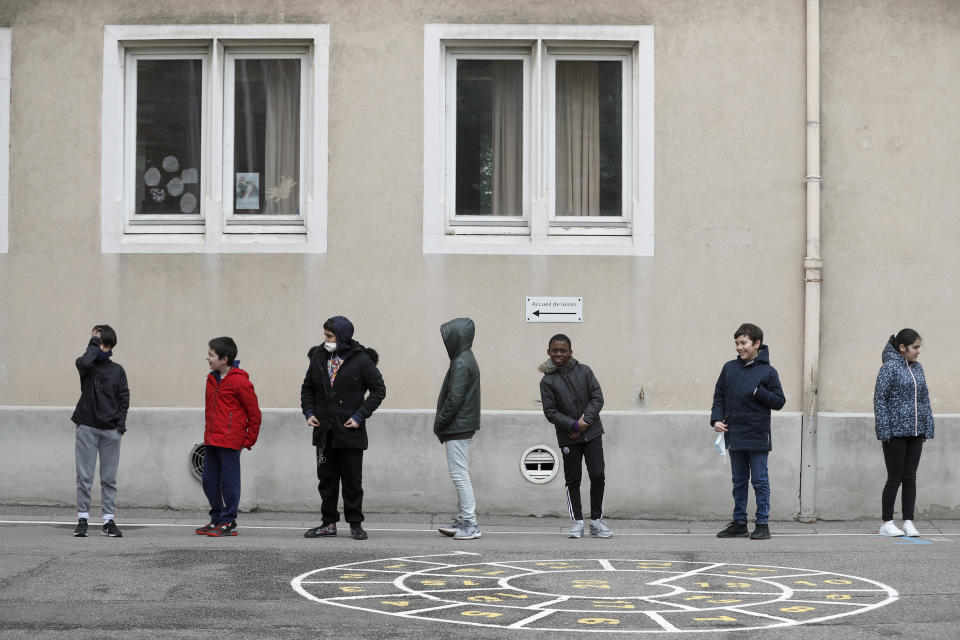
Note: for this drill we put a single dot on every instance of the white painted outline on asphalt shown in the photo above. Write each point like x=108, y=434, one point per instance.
x=606, y=565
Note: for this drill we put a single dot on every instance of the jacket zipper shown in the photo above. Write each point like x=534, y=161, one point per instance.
x=916, y=404
x=230, y=423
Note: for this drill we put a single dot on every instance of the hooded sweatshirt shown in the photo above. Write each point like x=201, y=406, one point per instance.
x=458, y=407
x=744, y=395
x=901, y=400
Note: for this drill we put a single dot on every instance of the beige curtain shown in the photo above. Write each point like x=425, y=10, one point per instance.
x=578, y=139
x=282, y=163
x=507, y=138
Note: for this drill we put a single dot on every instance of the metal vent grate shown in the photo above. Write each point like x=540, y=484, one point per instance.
x=196, y=461
x=539, y=464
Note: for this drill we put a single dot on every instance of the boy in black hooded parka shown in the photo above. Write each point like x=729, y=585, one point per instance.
x=341, y=390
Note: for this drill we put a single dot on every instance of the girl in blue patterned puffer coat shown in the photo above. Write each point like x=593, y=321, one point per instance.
x=904, y=421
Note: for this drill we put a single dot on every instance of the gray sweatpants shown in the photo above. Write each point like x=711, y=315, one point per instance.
x=90, y=442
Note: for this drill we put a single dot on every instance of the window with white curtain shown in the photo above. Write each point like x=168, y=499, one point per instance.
x=222, y=135
x=538, y=139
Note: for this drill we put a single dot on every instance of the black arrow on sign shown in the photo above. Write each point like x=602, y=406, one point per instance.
x=538, y=313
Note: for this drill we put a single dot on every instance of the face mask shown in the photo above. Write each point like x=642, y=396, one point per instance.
x=330, y=346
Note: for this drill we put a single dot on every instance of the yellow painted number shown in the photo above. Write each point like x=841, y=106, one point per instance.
x=614, y=604
x=352, y=589
x=482, y=614
x=598, y=621
x=738, y=585
x=396, y=603
x=433, y=583
x=838, y=596
x=353, y=576
x=837, y=581
x=717, y=619
x=797, y=609
x=591, y=584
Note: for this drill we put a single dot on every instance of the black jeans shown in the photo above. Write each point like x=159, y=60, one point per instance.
x=340, y=466
x=902, y=457
x=573, y=455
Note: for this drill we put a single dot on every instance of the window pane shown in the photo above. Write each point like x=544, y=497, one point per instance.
x=589, y=139
x=266, y=151
x=168, y=136
x=489, y=170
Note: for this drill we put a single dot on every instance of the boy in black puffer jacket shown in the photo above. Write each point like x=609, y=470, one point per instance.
x=572, y=400
x=341, y=390
x=747, y=389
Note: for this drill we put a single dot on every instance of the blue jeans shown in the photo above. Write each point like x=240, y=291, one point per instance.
x=750, y=466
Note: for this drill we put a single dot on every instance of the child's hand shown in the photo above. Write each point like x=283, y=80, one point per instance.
x=313, y=422
x=720, y=426
x=583, y=423
x=351, y=424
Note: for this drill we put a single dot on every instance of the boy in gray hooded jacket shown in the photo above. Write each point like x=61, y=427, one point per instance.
x=458, y=418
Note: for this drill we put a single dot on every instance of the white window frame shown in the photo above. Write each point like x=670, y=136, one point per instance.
x=5, y=44
x=485, y=224
x=541, y=232
x=214, y=229
x=254, y=223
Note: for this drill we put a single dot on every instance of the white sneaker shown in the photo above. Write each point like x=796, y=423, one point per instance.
x=890, y=529
x=909, y=530
x=576, y=529
x=599, y=529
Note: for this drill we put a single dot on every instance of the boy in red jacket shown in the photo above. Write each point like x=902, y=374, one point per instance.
x=232, y=423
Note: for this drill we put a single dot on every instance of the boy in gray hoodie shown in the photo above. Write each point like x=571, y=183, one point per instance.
x=458, y=418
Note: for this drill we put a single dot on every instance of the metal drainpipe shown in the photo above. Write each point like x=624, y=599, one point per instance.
x=813, y=275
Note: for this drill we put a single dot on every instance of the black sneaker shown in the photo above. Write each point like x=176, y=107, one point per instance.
x=325, y=530
x=760, y=532
x=734, y=530
x=110, y=529
x=80, y=531
x=357, y=532
x=205, y=529
x=224, y=530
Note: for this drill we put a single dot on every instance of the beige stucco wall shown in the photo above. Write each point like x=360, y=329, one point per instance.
x=890, y=193
x=729, y=214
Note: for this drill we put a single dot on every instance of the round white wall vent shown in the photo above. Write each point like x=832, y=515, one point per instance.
x=196, y=461
x=539, y=464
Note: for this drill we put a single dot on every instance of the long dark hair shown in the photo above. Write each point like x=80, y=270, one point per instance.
x=906, y=337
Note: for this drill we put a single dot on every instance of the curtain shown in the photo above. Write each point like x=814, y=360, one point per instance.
x=282, y=140
x=578, y=139
x=507, y=138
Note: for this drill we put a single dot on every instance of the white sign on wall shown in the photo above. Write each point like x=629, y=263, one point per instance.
x=554, y=309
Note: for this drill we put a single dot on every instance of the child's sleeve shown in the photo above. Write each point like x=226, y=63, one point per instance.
x=717, y=411
x=248, y=397
x=89, y=356
x=596, y=398
x=123, y=397
x=770, y=393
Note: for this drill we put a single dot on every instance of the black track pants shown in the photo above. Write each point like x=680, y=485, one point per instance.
x=340, y=466
x=573, y=455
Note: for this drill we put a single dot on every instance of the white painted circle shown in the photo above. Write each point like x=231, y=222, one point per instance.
x=596, y=595
x=539, y=464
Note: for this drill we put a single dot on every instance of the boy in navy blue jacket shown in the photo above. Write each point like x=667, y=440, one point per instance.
x=747, y=389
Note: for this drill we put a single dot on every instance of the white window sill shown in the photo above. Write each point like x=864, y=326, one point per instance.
x=636, y=245
x=225, y=243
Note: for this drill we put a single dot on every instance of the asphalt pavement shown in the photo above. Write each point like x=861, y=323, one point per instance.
x=522, y=579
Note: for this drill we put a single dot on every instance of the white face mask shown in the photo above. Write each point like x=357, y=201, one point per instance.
x=330, y=346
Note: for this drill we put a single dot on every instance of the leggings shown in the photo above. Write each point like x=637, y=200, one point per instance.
x=902, y=457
